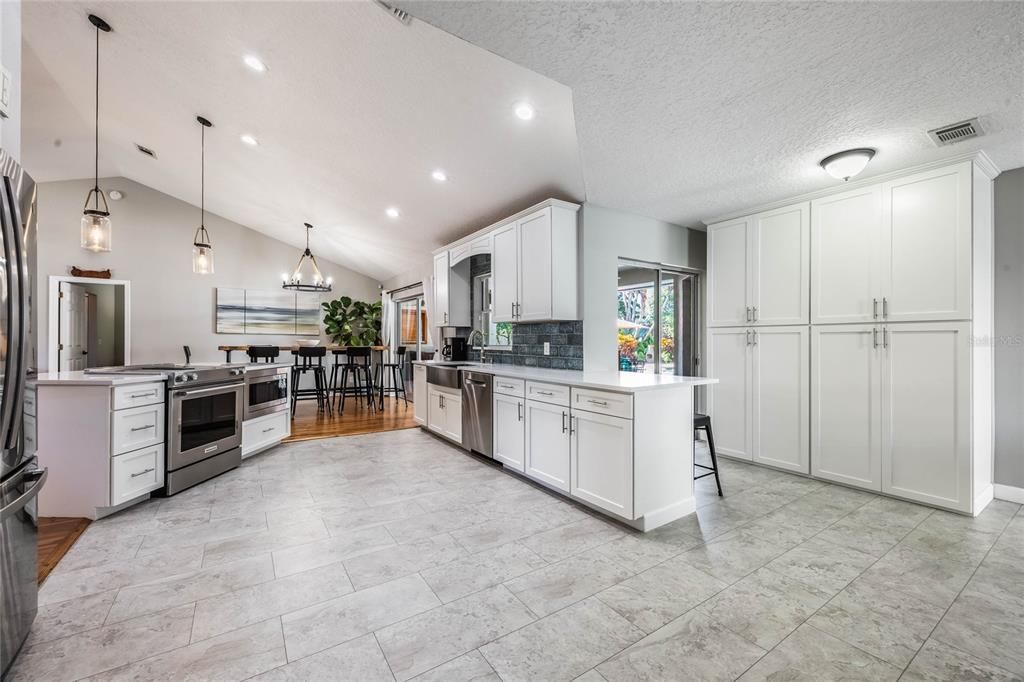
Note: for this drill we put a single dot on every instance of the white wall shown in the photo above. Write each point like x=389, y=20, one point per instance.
x=152, y=247
x=607, y=235
x=10, y=57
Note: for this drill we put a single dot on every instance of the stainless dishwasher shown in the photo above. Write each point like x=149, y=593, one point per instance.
x=477, y=414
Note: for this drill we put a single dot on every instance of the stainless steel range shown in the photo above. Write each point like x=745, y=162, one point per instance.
x=204, y=419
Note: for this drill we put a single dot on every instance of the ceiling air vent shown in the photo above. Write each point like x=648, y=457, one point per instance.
x=146, y=150
x=958, y=132
x=400, y=14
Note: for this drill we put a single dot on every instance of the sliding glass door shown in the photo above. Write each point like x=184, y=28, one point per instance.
x=657, y=321
x=412, y=333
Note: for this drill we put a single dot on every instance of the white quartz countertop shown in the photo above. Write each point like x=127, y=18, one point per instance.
x=624, y=382
x=83, y=379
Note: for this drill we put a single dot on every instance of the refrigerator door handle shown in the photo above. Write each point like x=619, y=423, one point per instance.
x=18, y=503
x=18, y=266
x=12, y=361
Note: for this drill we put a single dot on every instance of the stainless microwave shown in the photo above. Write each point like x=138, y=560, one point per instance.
x=266, y=391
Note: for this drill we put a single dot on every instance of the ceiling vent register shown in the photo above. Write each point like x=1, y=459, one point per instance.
x=958, y=132
x=400, y=14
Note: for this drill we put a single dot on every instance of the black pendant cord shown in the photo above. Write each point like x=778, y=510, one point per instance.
x=96, y=139
x=202, y=177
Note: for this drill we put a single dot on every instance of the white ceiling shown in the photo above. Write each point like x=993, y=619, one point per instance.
x=352, y=116
x=686, y=111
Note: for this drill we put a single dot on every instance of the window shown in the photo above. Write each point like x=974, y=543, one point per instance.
x=496, y=334
x=412, y=322
x=656, y=319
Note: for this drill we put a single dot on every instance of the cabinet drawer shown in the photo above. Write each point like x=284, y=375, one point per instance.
x=603, y=402
x=135, y=428
x=136, y=473
x=259, y=433
x=137, y=395
x=516, y=387
x=30, y=400
x=548, y=393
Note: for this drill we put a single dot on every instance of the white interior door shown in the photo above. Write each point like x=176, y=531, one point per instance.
x=535, y=266
x=547, y=444
x=780, y=265
x=728, y=284
x=780, y=385
x=74, y=328
x=926, y=413
x=845, y=404
x=505, y=273
x=845, y=239
x=602, y=461
x=729, y=360
x=509, y=431
x=927, y=246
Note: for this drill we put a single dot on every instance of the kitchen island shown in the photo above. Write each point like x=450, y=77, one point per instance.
x=620, y=443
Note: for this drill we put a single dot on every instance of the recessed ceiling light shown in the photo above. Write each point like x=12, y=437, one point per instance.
x=846, y=164
x=392, y=212
x=525, y=111
x=249, y=140
x=439, y=175
x=254, y=63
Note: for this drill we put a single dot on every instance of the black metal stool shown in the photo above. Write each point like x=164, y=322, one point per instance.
x=396, y=371
x=702, y=421
x=357, y=366
x=304, y=362
x=264, y=353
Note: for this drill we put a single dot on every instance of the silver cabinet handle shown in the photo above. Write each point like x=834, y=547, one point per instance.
x=885, y=308
x=143, y=428
x=885, y=338
x=874, y=337
x=144, y=472
x=755, y=338
x=545, y=393
x=563, y=422
x=754, y=310
x=268, y=430
x=603, y=403
x=874, y=309
x=142, y=395
x=519, y=410
x=572, y=425
x=746, y=336
x=748, y=313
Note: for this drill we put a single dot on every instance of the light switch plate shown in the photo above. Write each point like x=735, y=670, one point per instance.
x=547, y=348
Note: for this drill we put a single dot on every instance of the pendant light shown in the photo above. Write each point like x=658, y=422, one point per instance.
x=202, y=252
x=96, y=220
x=316, y=281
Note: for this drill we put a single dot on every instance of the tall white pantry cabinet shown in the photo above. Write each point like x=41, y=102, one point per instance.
x=851, y=335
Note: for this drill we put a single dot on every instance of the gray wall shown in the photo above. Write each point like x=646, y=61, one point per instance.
x=152, y=248
x=10, y=57
x=606, y=236
x=1009, y=328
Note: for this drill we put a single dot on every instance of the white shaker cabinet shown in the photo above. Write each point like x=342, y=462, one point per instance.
x=601, y=461
x=444, y=412
x=441, y=275
x=419, y=394
x=728, y=273
x=451, y=292
x=505, y=272
x=729, y=358
x=510, y=431
x=547, y=444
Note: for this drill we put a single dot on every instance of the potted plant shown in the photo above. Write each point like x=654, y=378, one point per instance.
x=352, y=323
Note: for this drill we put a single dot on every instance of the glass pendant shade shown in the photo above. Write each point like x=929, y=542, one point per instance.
x=95, y=232
x=202, y=253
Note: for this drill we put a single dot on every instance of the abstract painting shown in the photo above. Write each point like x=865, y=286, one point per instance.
x=255, y=311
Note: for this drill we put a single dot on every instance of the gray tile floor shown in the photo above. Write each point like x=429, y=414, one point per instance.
x=396, y=556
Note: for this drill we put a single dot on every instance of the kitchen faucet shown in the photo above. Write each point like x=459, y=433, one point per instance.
x=482, y=344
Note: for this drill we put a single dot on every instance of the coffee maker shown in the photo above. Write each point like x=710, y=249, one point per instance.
x=455, y=348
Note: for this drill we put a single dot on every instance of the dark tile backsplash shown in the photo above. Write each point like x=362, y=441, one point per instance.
x=565, y=338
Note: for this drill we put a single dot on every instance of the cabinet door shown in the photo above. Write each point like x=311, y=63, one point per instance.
x=441, y=289
x=728, y=268
x=435, y=410
x=780, y=265
x=453, y=416
x=926, y=427
x=547, y=444
x=845, y=404
x=780, y=385
x=926, y=265
x=136, y=473
x=505, y=273
x=509, y=431
x=845, y=244
x=729, y=399
x=535, y=266
x=419, y=394
x=601, y=462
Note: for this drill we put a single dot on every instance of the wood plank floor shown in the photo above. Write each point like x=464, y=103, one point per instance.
x=56, y=535
x=358, y=419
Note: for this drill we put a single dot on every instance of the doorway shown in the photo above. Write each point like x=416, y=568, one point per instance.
x=89, y=323
x=413, y=333
x=657, y=324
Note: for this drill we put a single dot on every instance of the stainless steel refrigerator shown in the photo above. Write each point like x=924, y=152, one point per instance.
x=20, y=477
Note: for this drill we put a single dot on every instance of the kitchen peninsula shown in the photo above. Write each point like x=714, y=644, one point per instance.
x=620, y=443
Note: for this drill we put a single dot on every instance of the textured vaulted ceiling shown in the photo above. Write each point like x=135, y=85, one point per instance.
x=355, y=112
x=686, y=111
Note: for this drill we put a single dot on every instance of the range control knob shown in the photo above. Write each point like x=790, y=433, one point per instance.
x=193, y=377
x=235, y=372
x=179, y=378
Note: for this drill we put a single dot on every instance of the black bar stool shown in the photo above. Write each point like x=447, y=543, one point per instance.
x=310, y=359
x=396, y=372
x=264, y=353
x=702, y=421
x=336, y=368
x=357, y=366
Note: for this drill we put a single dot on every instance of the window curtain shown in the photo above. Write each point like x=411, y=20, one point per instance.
x=387, y=323
x=428, y=300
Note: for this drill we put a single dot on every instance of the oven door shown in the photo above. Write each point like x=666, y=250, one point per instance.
x=204, y=422
x=266, y=394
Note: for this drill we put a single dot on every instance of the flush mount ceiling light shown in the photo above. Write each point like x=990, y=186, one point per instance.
x=254, y=63
x=249, y=140
x=316, y=281
x=202, y=251
x=525, y=111
x=439, y=175
x=96, y=221
x=392, y=212
x=845, y=165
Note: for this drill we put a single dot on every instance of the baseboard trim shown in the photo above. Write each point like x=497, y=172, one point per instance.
x=1009, y=493
x=660, y=517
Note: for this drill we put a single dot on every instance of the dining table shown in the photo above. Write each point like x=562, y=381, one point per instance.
x=294, y=348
